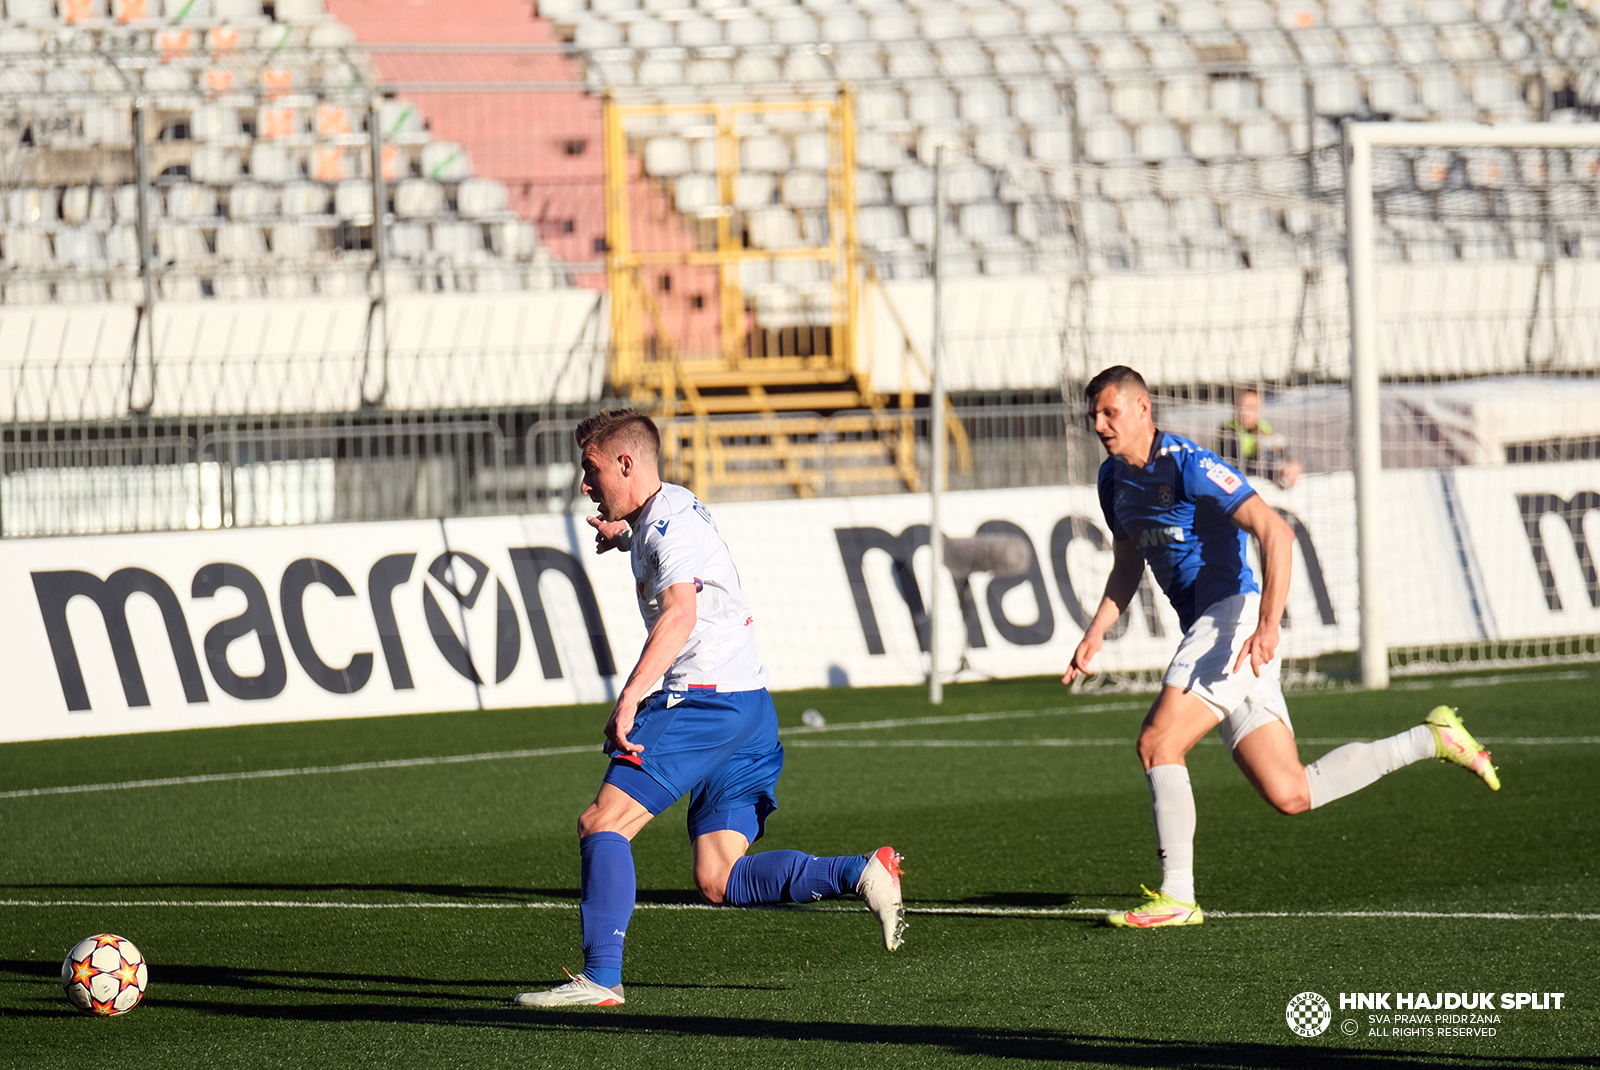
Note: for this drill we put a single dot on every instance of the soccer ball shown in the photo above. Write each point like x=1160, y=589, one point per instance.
x=104, y=975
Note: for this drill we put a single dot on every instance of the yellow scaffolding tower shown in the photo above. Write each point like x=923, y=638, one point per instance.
x=736, y=409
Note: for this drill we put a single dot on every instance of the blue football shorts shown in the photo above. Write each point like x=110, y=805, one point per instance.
x=721, y=748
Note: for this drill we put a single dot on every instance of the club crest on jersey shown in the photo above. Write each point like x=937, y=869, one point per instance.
x=1165, y=495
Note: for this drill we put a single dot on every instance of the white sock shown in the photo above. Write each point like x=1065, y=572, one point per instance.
x=1355, y=765
x=1172, y=805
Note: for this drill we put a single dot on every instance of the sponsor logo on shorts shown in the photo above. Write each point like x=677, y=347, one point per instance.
x=673, y=700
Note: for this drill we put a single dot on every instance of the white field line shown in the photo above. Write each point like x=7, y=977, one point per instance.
x=1128, y=742
x=543, y=752
x=911, y=908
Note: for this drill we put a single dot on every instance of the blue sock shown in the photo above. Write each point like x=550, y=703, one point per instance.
x=605, y=904
x=792, y=877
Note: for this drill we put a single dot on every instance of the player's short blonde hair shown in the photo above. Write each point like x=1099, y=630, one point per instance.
x=633, y=428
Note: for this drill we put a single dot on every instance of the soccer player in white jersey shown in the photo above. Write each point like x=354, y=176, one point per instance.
x=711, y=731
x=1185, y=512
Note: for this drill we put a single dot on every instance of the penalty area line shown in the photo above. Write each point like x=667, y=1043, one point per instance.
x=911, y=908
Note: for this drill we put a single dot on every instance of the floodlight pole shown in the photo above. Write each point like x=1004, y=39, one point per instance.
x=1365, y=420
x=936, y=436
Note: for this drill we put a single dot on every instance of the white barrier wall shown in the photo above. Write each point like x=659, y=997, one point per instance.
x=143, y=632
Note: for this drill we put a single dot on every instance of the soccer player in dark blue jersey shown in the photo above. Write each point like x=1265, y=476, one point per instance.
x=1185, y=513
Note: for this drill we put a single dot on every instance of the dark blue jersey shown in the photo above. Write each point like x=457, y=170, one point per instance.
x=1178, y=511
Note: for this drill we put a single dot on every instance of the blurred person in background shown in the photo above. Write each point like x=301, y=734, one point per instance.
x=1248, y=442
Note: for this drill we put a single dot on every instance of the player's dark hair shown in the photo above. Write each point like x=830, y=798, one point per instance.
x=632, y=426
x=1118, y=375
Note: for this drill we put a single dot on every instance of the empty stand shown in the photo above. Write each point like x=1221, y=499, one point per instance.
x=258, y=147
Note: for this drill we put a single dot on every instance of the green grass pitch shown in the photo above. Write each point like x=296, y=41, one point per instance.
x=1010, y=836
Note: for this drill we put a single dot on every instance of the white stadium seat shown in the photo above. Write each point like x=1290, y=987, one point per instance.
x=300, y=199
x=352, y=199
x=754, y=190
x=417, y=197
x=85, y=204
x=666, y=156
x=911, y=184
x=241, y=242
x=805, y=189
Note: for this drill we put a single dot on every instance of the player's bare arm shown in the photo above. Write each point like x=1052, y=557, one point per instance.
x=1127, y=569
x=661, y=648
x=1258, y=518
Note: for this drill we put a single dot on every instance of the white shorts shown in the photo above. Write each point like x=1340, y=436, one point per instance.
x=1203, y=666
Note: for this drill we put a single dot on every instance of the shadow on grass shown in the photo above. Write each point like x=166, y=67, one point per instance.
x=358, y=985
x=1038, y=900
x=915, y=1040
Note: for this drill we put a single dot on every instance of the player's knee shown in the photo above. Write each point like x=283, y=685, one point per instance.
x=1290, y=799
x=713, y=884
x=590, y=822
x=1153, y=750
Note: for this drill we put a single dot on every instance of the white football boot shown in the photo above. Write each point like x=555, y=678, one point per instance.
x=578, y=992
x=879, y=888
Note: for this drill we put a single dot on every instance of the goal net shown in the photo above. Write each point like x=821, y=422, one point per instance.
x=1228, y=286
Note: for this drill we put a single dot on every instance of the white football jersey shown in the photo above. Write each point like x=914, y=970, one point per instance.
x=676, y=541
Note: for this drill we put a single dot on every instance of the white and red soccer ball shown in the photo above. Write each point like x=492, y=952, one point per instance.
x=104, y=975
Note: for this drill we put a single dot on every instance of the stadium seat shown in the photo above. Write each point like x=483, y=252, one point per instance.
x=301, y=199
x=459, y=242
x=26, y=249
x=1106, y=141
x=418, y=197
x=407, y=241
x=126, y=203
x=877, y=225
x=272, y=163
x=805, y=189
x=181, y=244
x=765, y=153
x=773, y=228
x=352, y=199
x=666, y=156
x=479, y=197
x=513, y=240
x=293, y=241
x=932, y=105
x=251, y=200
x=754, y=190
x=30, y=207
x=693, y=193
x=241, y=242
x=299, y=11
x=85, y=204
x=215, y=165
x=122, y=246
x=984, y=104
x=31, y=12
x=185, y=200
x=445, y=161
x=1158, y=141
